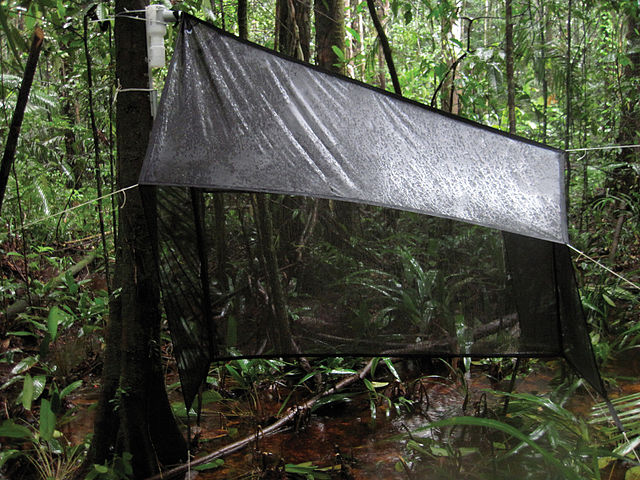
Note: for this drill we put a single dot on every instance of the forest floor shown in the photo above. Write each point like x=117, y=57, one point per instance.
x=342, y=439
x=359, y=434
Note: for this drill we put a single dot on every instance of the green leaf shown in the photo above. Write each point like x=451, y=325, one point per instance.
x=8, y=454
x=39, y=382
x=628, y=447
x=632, y=474
x=608, y=300
x=101, y=12
x=232, y=331
x=439, y=451
x=548, y=456
x=126, y=461
x=11, y=381
x=392, y=369
x=70, y=388
x=603, y=462
x=61, y=9
x=210, y=396
x=12, y=430
x=307, y=469
x=339, y=53
x=10, y=33
x=342, y=371
x=47, y=420
x=379, y=384
x=218, y=462
x=369, y=385
x=27, y=392
x=21, y=333
x=71, y=283
x=55, y=318
x=100, y=468
x=24, y=365
x=374, y=365
x=354, y=34
x=337, y=397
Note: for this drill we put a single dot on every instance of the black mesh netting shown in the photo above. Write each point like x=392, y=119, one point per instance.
x=431, y=270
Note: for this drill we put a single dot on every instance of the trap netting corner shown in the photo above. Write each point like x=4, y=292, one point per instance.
x=451, y=243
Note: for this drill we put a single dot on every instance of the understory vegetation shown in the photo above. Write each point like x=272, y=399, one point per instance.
x=574, y=76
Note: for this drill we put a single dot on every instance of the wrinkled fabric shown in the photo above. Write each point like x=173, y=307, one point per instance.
x=237, y=117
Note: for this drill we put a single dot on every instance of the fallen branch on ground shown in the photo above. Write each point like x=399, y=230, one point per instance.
x=288, y=417
x=21, y=305
x=426, y=346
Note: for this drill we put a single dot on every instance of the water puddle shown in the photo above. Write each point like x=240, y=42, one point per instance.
x=341, y=435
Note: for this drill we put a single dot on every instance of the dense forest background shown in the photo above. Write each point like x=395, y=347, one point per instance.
x=561, y=73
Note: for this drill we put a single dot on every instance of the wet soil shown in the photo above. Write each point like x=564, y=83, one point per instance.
x=343, y=436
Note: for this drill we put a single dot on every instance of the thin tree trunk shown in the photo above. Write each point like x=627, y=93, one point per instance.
x=617, y=232
x=220, y=241
x=386, y=48
x=568, y=112
x=303, y=22
x=243, y=31
x=543, y=62
x=625, y=178
x=222, y=17
x=511, y=89
x=282, y=336
x=18, y=114
x=96, y=152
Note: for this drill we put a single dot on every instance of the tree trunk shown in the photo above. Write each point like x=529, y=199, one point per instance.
x=625, y=179
x=294, y=28
x=134, y=414
x=21, y=104
x=330, y=33
x=243, y=31
x=220, y=241
x=544, y=24
x=511, y=89
x=281, y=333
x=568, y=112
x=75, y=162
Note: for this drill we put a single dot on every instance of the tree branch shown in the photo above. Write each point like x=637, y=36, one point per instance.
x=384, y=41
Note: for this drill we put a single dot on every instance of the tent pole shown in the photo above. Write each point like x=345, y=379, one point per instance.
x=512, y=384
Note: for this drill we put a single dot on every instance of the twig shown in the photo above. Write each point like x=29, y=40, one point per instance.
x=85, y=239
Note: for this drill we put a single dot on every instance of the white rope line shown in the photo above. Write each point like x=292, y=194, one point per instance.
x=119, y=90
x=607, y=147
x=122, y=190
x=634, y=285
x=143, y=19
